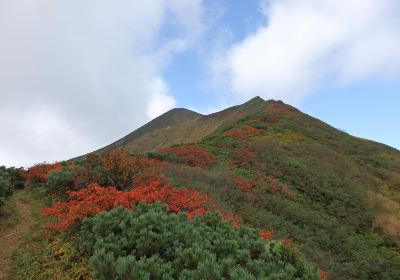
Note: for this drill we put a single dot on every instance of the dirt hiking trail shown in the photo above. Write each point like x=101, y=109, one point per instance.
x=10, y=237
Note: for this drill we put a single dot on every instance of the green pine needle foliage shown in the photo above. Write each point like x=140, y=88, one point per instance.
x=152, y=243
x=6, y=188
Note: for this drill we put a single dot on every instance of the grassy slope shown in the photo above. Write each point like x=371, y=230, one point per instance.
x=181, y=126
x=42, y=254
x=335, y=194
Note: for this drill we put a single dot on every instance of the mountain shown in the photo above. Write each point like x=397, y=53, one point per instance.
x=182, y=126
x=337, y=196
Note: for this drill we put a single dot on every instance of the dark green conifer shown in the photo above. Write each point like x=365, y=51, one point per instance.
x=152, y=243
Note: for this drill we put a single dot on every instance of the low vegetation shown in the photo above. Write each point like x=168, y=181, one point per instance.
x=274, y=194
x=6, y=188
x=153, y=243
x=124, y=233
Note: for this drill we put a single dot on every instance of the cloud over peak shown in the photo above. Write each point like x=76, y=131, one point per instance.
x=306, y=42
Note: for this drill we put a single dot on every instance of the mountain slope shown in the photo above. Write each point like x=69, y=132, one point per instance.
x=336, y=195
x=181, y=126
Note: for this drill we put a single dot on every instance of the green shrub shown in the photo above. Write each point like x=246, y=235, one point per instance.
x=6, y=189
x=17, y=177
x=151, y=243
x=60, y=181
x=164, y=157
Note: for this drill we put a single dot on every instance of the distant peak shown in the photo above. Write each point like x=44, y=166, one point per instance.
x=180, y=112
x=257, y=99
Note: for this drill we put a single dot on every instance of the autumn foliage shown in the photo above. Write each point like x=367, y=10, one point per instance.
x=95, y=199
x=192, y=155
x=267, y=235
x=283, y=189
x=122, y=169
x=323, y=274
x=243, y=184
x=40, y=172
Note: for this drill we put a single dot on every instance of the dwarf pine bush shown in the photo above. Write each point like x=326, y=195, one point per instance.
x=5, y=185
x=152, y=243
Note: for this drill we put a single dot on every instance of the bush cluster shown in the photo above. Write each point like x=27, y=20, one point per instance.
x=152, y=243
x=6, y=188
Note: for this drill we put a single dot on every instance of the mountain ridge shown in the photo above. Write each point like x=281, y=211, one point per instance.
x=150, y=136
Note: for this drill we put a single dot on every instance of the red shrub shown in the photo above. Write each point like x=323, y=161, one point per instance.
x=200, y=211
x=183, y=199
x=243, y=132
x=95, y=199
x=279, y=107
x=273, y=187
x=267, y=235
x=252, y=131
x=289, y=243
x=40, y=172
x=281, y=188
x=323, y=274
x=271, y=118
x=121, y=168
x=243, y=184
x=287, y=192
x=236, y=134
x=84, y=203
x=244, y=157
x=192, y=155
x=235, y=220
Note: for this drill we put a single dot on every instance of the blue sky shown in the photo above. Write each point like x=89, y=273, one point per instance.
x=76, y=75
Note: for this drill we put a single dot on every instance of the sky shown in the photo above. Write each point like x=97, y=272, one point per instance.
x=76, y=75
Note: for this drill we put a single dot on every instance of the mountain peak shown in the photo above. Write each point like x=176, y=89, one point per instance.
x=180, y=112
x=256, y=99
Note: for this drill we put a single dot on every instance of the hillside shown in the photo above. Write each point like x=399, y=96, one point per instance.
x=336, y=195
x=257, y=191
x=181, y=126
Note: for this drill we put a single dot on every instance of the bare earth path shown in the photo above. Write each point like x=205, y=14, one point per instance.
x=10, y=237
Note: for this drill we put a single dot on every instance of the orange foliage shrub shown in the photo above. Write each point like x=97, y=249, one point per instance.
x=323, y=274
x=275, y=113
x=243, y=184
x=95, y=199
x=271, y=118
x=235, y=220
x=40, y=172
x=267, y=235
x=287, y=192
x=282, y=110
x=282, y=189
x=236, y=134
x=121, y=168
x=244, y=158
x=192, y=155
x=252, y=131
x=273, y=187
x=200, y=211
x=289, y=243
x=243, y=132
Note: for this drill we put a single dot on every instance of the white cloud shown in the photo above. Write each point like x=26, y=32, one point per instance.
x=160, y=99
x=307, y=42
x=75, y=75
